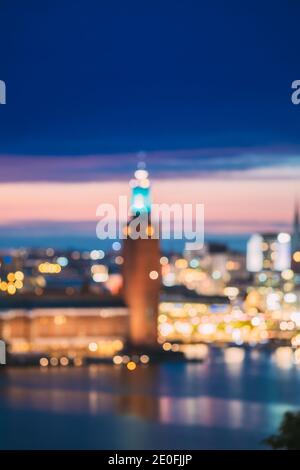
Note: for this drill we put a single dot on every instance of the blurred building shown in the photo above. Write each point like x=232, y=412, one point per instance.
x=208, y=271
x=269, y=251
x=141, y=267
x=76, y=328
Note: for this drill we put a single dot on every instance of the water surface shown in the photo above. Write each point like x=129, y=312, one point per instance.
x=231, y=401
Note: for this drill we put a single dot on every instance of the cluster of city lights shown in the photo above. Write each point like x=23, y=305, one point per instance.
x=63, y=361
x=99, y=273
x=131, y=362
x=206, y=279
x=13, y=282
x=265, y=314
x=49, y=268
x=105, y=348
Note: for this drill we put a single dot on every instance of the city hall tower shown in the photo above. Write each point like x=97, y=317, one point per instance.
x=141, y=267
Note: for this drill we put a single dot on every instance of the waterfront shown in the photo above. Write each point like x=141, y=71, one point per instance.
x=230, y=401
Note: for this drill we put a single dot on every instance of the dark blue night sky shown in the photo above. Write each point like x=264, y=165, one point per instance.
x=98, y=76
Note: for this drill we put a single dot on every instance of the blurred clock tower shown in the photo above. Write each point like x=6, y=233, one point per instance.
x=141, y=267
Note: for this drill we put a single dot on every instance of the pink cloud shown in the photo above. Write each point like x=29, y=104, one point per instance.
x=230, y=204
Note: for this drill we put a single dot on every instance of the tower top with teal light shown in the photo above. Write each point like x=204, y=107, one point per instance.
x=140, y=190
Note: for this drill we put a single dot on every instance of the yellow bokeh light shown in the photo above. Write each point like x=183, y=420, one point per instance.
x=64, y=361
x=117, y=360
x=131, y=365
x=11, y=289
x=18, y=284
x=44, y=362
x=287, y=274
x=181, y=263
x=3, y=286
x=144, y=359
x=231, y=291
x=19, y=276
x=49, y=268
x=296, y=256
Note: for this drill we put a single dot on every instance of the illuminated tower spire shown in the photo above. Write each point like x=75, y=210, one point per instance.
x=140, y=191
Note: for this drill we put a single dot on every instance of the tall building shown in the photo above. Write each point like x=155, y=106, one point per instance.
x=269, y=252
x=141, y=267
x=255, y=253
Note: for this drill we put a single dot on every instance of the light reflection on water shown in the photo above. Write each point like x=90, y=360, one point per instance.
x=232, y=400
